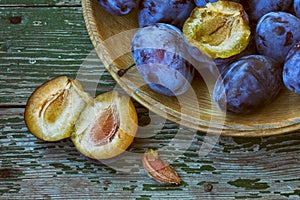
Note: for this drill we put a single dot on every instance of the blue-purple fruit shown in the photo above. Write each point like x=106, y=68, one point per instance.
x=258, y=8
x=202, y=3
x=173, y=12
x=118, y=7
x=249, y=83
x=291, y=69
x=276, y=34
x=161, y=57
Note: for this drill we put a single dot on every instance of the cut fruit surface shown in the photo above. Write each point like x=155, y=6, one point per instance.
x=53, y=108
x=220, y=29
x=106, y=128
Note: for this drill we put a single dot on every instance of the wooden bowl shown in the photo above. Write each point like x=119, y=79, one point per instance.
x=111, y=37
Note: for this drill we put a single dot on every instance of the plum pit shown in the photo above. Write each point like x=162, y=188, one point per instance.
x=105, y=127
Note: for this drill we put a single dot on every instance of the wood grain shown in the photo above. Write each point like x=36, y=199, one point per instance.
x=18, y=3
x=237, y=168
x=48, y=42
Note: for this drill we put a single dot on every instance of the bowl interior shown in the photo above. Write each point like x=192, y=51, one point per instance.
x=111, y=36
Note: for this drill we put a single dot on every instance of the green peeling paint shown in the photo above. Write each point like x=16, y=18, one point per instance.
x=295, y=193
x=207, y=168
x=144, y=197
x=131, y=188
x=60, y=166
x=249, y=184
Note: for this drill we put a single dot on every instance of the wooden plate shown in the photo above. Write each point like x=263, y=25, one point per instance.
x=111, y=37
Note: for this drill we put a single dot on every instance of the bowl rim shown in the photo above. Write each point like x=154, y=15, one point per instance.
x=262, y=131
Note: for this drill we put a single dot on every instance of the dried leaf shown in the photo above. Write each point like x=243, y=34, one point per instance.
x=159, y=169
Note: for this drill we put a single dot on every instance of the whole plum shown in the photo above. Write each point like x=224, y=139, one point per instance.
x=222, y=63
x=202, y=3
x=257, y=8
x=118, y=7
x=249, y=83
x=297, y=7
x=291, y=69
x=161, y=57
x=173, y=12
x=276, y=33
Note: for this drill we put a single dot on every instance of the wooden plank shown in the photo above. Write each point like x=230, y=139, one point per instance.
x=266, y=168
x=53, y=41
x=48, y=42
x=39, y=3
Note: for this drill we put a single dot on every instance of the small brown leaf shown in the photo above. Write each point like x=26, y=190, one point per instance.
x=159, y=169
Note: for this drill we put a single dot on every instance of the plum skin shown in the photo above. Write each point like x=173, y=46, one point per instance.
x=276, y=33
x=297, y=7
x=173, y=12
x=291, y=70
x=202, y=3
x=258, y=8
x=250, y=83
x=161, y=56
x=118, y=7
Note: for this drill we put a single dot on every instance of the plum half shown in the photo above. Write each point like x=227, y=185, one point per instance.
x=53, y=108
x=220, y=29
x=106, y=128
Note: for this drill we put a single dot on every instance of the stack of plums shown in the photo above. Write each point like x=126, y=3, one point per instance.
x=255, y=45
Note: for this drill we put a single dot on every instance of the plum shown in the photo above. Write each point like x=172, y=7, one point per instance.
x=248, y=84
x=220, y=29
x=291, y=69
x=257, y=8
x=173, y=12
x=276, y=33
x=202, y=3
x=297, y=7
x=54, y=107
x=222, y=63
x=107, y=127
x=161, y=57
x=118, y=7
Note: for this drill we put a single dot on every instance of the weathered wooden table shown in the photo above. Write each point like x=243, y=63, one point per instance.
x=41, y=39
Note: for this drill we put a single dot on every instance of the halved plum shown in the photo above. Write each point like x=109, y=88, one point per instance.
x=106, y=128
x=53, y=108
x=220, y=29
